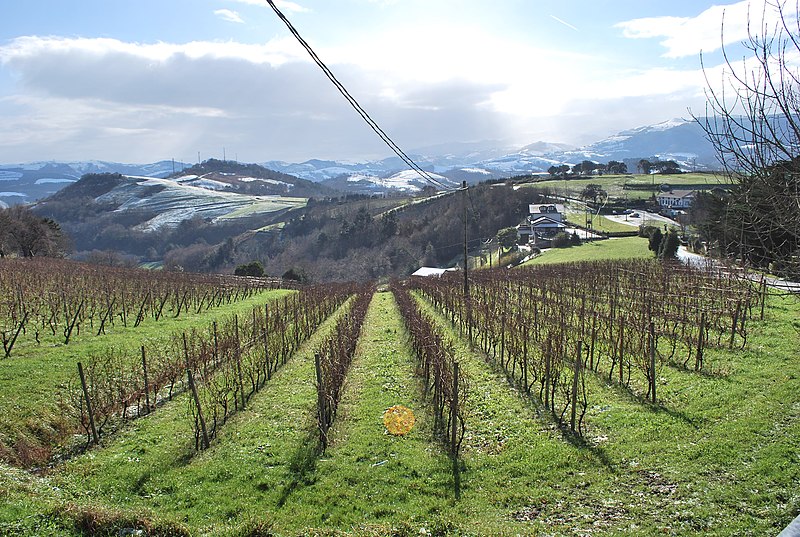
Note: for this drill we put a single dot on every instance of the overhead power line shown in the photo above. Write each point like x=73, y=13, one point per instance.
x=354, y=103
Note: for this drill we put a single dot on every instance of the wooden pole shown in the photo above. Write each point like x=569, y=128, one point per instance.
x=89, y=410
x=203, y=429
x=146, y=382
x=216, y=345
x=321, y=411
x=547, y=359
x=735, y=322
x=239, y=373
x=575, y=375
x=454, y=432
x=653, y=362
x=698, y=360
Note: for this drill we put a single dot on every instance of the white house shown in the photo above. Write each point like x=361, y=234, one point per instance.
x=552, y=211
x=676, y=199
x=546, y=220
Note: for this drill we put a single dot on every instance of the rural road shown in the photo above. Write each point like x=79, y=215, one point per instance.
x=700, y=261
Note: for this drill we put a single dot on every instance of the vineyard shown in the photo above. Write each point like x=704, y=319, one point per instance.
x=602, y=398
x=547, y=326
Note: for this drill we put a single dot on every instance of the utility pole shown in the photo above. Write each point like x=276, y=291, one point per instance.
x=464, y=200
x=467, y=304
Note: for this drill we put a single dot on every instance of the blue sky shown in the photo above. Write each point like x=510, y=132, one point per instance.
x=144, y=80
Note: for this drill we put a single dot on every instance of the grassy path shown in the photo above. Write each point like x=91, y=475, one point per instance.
x=520, y=473
x=369, y=480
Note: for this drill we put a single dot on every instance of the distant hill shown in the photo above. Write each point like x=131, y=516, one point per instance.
x=25, y=183
x=677, y=139
x=680, y=140
x=201, y=205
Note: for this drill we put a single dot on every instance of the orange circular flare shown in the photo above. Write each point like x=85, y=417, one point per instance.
x=398, y=420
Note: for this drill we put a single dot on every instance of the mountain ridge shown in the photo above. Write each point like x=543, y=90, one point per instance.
x=676, y=139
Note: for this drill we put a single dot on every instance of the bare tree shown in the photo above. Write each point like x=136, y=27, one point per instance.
x=753, y=120
x=25, y=234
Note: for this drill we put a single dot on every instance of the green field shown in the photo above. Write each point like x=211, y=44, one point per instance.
x=623, y=187
x=577, y=215
x=716, y=456
x=622, y=248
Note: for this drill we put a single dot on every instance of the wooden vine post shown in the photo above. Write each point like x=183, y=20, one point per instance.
x=321, y=412
x=454, y=431
x=698, y=360
x=239, y=357
x=195, y=396
x=653, y=362
x=146, y=382
x=95, y=437
x=575, y=377
x=203, y=429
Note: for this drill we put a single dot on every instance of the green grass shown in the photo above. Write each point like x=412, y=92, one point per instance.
x=615, y=184
x=367, y=478
x=717, y=456
x=31, y=379
x=622, y=248
x=598, y=221
x=151, y=467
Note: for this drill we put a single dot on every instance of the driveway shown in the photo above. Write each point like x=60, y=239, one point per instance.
x=700, y=261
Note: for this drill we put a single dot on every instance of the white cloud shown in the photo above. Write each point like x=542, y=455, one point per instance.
x=228, y=15
x=109, y=99
x=33, y=49
x=264, y=101
x=688, y=36
x=284, y=5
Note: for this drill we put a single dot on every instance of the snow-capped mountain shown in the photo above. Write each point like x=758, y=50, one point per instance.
x=677, y=139
x=25, y=183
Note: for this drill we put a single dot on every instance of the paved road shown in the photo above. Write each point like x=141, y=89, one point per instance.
x=647, y=218
x=792, y=530
x=700, y=261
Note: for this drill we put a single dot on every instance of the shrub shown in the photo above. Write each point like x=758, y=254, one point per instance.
x=254, y=268
x=669, y=246
x=296, y=274
x=562, y=240
x=654, y=243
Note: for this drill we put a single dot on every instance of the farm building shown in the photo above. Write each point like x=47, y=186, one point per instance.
x=679, y=199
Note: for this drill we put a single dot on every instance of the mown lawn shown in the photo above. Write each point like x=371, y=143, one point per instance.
x=618, y=248
x=629, y=186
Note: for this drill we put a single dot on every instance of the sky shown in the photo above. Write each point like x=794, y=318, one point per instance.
x=139, y=81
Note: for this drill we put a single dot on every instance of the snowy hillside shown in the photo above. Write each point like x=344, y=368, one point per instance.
x=677, y=139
